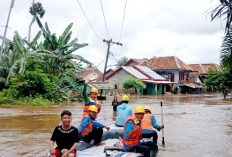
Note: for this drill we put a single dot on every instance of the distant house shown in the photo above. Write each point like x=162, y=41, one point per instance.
x=175, y=70
x=132, y=62
x=91, y=74
x=155, y=84
x=202, y=70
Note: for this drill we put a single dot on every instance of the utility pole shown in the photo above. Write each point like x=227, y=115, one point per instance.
x=4, y=36
x=109, y=43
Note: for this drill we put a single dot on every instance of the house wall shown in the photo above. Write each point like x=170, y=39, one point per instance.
x=118, y=78
x=165, y=74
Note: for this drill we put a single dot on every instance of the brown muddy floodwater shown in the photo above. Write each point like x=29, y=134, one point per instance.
x=195, y=125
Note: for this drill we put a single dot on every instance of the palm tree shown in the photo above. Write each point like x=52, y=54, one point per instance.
x=35, y=10
x=63, y=49
x=226, y=52
x=122, y=61
x=223, y=9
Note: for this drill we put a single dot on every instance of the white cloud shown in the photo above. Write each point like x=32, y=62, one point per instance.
x=179, y=28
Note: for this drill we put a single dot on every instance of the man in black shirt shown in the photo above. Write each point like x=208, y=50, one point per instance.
x=65, y=136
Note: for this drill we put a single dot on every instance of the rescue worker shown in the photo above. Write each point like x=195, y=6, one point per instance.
x=91, y=100
x=124, y=111
x=90, y=129
x=147, y=123
x=132, y=134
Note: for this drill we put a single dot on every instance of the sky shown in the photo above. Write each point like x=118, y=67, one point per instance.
x=151, y=28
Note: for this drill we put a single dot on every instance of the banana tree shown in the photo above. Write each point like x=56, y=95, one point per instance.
x=63, y=50
x=22, y=52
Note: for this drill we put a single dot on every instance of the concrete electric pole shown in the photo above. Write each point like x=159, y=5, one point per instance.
x=4, y=36
x=109, y=43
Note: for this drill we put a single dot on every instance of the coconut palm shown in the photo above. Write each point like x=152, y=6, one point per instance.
x=35, y=10
x=63, y=49
x=226, y=52
x=223, y=9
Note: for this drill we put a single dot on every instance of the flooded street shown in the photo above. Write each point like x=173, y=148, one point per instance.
x=195, y=125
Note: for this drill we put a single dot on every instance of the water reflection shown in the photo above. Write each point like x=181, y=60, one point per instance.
x=195, y=125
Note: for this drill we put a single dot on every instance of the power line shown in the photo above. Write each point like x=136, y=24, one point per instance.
x=113, y=56
x=104, y=19
x=123, y=21
x=88, y=20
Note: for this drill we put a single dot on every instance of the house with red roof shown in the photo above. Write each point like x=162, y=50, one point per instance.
x=155, y=84
x=202, y=71
x=175, y=70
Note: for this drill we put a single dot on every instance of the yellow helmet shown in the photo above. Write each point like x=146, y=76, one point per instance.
x=94, y=90
x=139, y=109
x=93, y=108
x=125, y=98
x=147, y=108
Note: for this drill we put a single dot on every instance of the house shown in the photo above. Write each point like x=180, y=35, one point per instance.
x=202, y=70
x=91, y=74
x=175, y=70
x=132, y=62
x=155, y=84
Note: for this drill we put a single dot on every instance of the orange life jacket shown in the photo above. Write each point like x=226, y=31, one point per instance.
x=91, y=102
x=88, y=128
x=147, y=122
x=135, y=138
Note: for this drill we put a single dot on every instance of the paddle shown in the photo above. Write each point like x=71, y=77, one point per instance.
x=161, y=104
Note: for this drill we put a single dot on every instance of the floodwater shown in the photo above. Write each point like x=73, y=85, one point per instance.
x=195, y=125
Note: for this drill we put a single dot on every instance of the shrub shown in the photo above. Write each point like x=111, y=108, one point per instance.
x=34, y=84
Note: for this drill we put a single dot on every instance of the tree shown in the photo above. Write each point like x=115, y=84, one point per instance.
x=35, y=10
x=121, y=61
x=226, y=51
x=219, y=80
x=133, y=83
x=223, y=9
x=16, y=61
x=63, y=49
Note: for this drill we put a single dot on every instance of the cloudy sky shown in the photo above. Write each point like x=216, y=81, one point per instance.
x=151, y=28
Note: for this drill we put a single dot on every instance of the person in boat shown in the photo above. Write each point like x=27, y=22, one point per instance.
x=147, y=123
x=115, y=103
x=91, y=100
x=132, y=133
x=124, y=111
x=90, y=129
x=65, y=136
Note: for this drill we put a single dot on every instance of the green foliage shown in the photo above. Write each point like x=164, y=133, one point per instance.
x=226, y=52
x=223, y=11
x=133, y=83
x=122, y=61
x=34, y=84
x=37, y=9
x=63, y=49
x=220, y=80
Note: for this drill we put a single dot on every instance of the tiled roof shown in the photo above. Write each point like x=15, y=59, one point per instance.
x=168, y=63
x=204, y=68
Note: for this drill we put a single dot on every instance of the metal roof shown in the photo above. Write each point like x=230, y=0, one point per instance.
x=135, y=73
x=158, y=82
x=150, y=72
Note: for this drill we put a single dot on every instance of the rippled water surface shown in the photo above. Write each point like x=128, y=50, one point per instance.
x=195, y=125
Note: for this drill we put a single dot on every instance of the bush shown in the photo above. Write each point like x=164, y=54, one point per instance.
x=34, y=84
